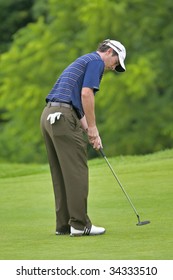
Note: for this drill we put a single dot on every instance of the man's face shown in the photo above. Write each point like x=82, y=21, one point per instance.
x=110, y=61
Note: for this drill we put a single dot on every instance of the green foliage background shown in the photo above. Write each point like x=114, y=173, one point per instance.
x=134, y=109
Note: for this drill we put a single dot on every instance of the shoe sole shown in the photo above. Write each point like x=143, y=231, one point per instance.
x=91, y=234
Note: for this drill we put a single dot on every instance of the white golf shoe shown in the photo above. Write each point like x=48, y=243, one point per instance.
x=87, y=231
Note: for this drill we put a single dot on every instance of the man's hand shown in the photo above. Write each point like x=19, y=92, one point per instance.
x=94, y=138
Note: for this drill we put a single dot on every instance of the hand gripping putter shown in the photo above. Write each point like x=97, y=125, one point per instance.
x=128, y=198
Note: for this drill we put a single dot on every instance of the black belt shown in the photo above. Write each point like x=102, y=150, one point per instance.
x=59, y=104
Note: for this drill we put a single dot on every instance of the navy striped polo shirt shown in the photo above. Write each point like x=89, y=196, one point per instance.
x=85, y=71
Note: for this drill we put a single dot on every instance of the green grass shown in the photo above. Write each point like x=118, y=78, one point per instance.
x=28, y=220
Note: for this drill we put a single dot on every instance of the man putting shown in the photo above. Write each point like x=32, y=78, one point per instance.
x=67, y=118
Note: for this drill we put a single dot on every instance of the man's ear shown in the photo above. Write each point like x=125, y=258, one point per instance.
x=110, y=51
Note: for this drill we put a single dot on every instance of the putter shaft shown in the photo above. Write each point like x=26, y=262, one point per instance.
x=104, y=156
x=128, y=198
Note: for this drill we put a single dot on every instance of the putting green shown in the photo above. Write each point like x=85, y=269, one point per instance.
x=28, y=220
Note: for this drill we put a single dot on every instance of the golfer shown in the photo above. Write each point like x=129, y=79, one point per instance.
x=68, y=117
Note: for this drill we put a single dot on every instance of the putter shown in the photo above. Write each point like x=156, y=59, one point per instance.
x=128, y=198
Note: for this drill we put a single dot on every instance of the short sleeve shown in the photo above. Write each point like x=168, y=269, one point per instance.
x=93, y=74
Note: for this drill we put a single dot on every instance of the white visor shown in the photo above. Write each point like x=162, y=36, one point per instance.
x=120, y=50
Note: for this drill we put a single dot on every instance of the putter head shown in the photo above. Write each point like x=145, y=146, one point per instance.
x=143, y=223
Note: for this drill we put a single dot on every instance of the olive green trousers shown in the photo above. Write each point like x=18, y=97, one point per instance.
x=67, y=155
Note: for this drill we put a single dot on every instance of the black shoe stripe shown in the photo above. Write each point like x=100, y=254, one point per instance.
x=86, y=231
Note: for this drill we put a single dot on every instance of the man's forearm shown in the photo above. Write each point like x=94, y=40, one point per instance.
x=88, y=104
x=84, y=124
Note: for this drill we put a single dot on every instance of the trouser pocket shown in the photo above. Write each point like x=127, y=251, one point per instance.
x=65, y=125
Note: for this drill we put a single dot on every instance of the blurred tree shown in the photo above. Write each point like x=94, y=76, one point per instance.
x=14, y=15
x=36, y=57
x=141, y=120
x=2, y=119
x=134, y=109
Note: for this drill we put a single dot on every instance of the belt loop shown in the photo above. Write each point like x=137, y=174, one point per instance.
x=49, y=104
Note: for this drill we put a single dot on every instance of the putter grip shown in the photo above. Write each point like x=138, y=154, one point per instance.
x=102, y=152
